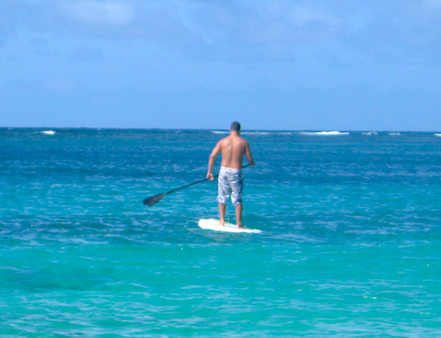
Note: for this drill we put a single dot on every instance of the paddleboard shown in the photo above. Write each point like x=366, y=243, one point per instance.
x=213, y=224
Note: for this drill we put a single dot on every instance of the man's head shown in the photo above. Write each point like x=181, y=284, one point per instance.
x=235, y=126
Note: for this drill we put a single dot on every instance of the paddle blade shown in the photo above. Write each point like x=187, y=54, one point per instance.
x=153, y=199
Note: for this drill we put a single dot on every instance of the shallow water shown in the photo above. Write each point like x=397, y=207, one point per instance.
x=350, y=243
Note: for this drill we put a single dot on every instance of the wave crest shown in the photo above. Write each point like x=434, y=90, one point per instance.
x=324, y=133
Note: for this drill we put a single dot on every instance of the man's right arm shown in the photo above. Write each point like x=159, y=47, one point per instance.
x=248, y=155
x=216, y=151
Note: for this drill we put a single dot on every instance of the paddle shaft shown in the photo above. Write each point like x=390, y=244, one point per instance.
x=156, y=198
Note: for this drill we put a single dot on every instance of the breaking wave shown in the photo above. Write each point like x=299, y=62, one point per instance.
x=324, y=133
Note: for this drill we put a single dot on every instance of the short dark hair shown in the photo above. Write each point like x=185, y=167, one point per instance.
x=235, y=126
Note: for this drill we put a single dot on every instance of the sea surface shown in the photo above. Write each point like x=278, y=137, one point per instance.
x=351, y=240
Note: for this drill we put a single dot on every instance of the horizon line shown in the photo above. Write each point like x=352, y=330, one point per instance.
x=221, y=129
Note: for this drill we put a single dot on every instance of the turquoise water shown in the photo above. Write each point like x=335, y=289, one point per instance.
x=350, y=244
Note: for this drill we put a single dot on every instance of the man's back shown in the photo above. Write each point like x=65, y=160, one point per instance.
x=233, y=148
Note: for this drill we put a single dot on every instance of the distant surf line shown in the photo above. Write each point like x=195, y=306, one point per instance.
x=310, y=133
x=324, y=133
x=254, y=132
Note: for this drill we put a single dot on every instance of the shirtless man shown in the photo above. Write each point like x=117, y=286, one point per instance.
x=230, y=181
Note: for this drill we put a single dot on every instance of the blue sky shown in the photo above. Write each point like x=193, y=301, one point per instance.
x=283, y=65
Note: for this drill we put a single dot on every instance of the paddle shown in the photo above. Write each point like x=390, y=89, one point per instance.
x=149, y=201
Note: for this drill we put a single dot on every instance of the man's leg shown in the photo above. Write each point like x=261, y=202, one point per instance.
x=223, y=191
x=236, y=196
x=239, y=216
x=222, y=209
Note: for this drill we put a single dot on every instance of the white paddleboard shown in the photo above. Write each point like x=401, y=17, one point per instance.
x=213, y=224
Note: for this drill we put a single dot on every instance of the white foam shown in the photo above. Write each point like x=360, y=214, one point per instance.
x=436, y=134
x=255, y=132
x=220, y=132
x=48, y=132
x=324, y=133
x=370, y=133
x=394, y=134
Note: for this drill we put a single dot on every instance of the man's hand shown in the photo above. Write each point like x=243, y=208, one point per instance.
x=210, y=176
x=253, y=164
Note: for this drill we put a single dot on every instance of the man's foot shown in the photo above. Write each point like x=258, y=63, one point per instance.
x=222, y=223
x=240, y=226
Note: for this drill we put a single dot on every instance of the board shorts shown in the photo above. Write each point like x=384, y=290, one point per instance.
x=230, y=182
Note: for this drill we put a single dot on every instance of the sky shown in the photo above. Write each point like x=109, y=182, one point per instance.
x=201, y=64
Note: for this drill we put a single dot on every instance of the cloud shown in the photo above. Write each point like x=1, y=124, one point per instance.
x=95, y=12
x=266, y=22
x=157, y=21
x=262, y=31
x=242, y=30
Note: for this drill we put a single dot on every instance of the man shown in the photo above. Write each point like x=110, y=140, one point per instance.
x=230, y=181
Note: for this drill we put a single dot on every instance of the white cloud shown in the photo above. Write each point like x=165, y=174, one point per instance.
x=157, y=21
x=107, y=12
x=241, y=30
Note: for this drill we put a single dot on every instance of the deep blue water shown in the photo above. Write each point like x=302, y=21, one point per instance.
x=350, y=244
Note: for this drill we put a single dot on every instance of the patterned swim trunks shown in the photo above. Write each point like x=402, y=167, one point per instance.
x=230, y=182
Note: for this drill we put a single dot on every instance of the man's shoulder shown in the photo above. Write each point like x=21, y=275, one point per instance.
x=230, y=139
x=243, y=140
x=225, y=139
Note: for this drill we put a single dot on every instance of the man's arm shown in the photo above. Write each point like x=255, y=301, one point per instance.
x=216, y=151
x=248, y=155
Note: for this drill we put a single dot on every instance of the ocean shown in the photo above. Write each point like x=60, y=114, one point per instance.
x=350, y=243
